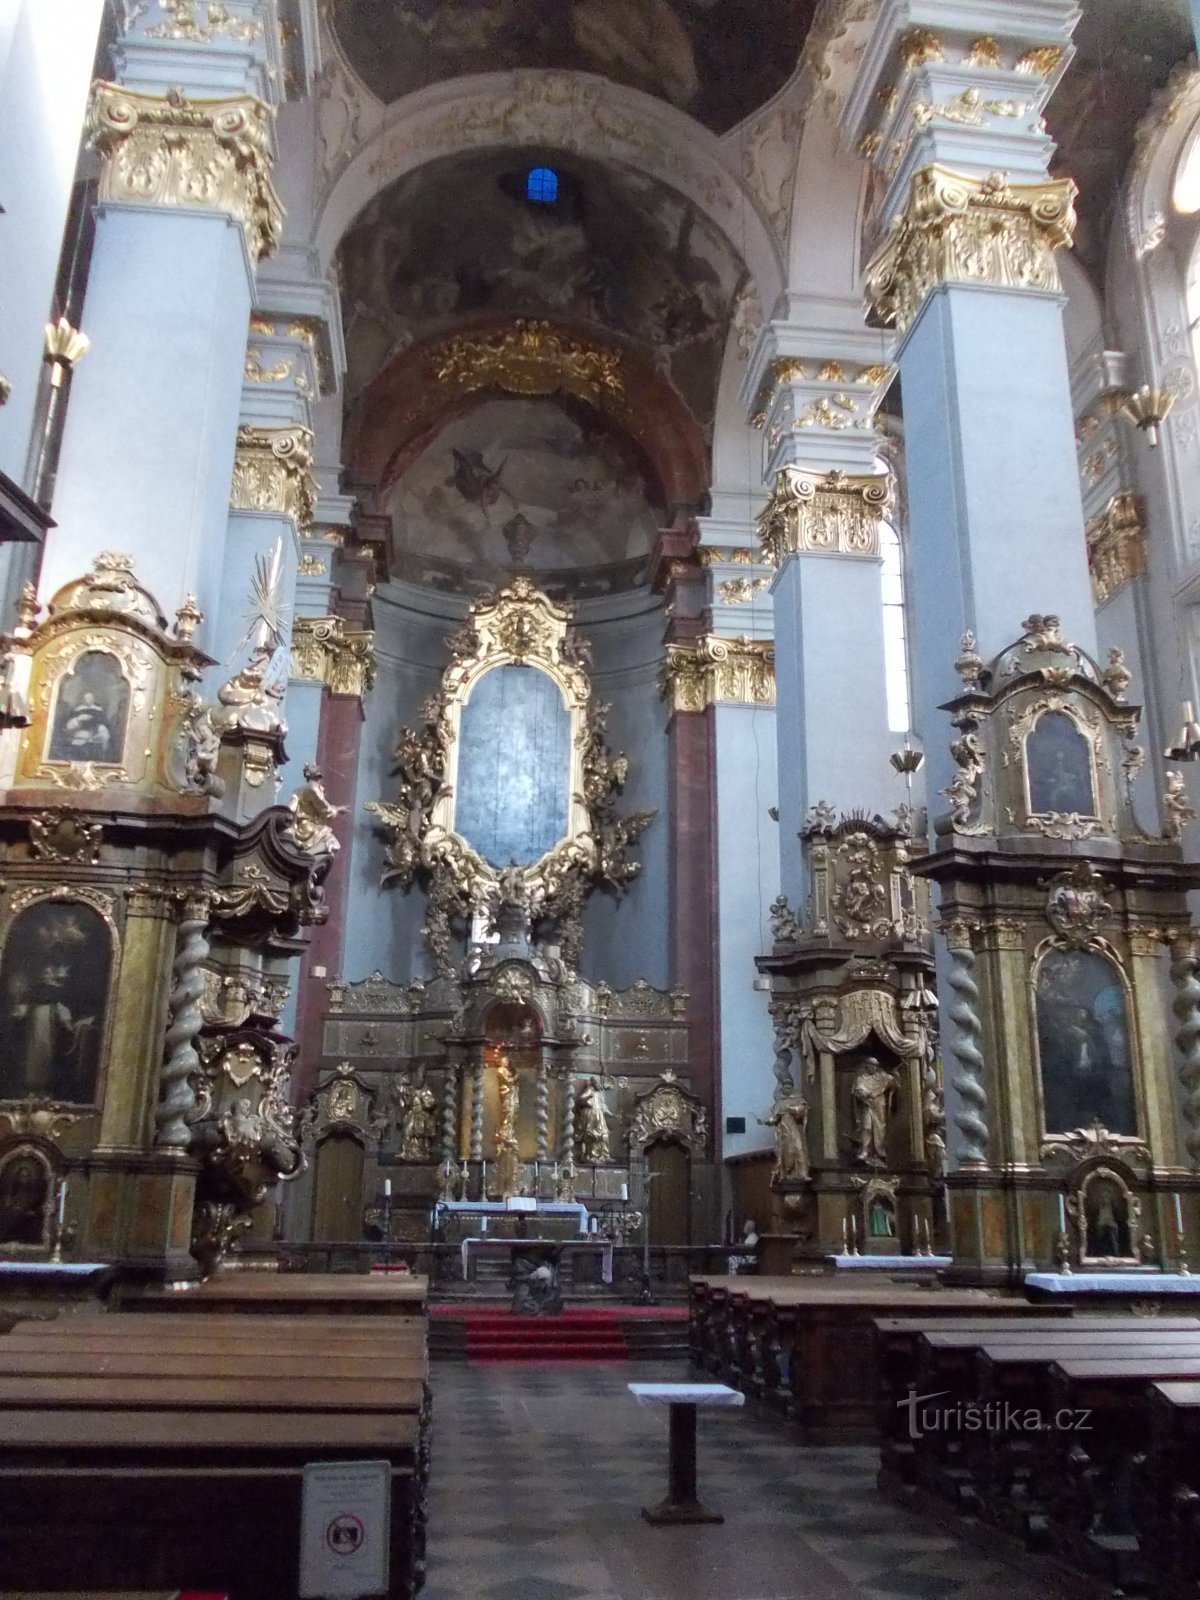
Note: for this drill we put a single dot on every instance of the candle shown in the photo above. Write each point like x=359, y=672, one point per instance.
x=854, y=1233
x=928, y=1239
x=1178, y=1217
x=387, y=1188
x=483, y=1224
x=624, y=1191
x=845, y=1238
x=1062, y=1214
x=62, y=1202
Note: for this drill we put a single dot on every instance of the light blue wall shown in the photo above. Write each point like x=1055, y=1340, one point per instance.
x=628, y=938
x=748, y=853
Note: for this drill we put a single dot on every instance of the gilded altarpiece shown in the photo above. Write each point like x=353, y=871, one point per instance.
x=148, y=913
x=516, y=1079
x=1073, y=1121
x=857, y=1114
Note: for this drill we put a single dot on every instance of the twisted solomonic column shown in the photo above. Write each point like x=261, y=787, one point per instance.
x=965, y=1041
x=176, y=1096
x=450, y=1111
x=1186, y=1006
x=568, y=1122
x=541, y=1109
x=477, y=1111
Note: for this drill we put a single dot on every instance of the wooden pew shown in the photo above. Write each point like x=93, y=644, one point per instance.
x=1166, y=1491
x=192, y=1447
x=320, y=1294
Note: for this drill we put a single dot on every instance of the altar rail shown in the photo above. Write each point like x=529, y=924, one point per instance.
x=671, y=1266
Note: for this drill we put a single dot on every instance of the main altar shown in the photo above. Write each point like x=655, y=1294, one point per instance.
x=506, y=1096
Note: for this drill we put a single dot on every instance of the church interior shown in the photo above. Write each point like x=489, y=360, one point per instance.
x=599, y=652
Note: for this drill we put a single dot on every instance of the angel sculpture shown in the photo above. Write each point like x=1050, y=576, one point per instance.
x=312, y=815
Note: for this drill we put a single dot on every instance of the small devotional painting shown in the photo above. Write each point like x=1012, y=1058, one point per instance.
x=25, y=1192
x=1106, y=1222
x=1058, y=760
x=1083, y=1044
x=54, y=979
x=91, y=711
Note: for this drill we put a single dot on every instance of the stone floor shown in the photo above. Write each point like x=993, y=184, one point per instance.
x=539, y=1474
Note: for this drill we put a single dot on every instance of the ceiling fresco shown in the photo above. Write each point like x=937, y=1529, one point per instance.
x=718, y=60
x=525, y=484
x=458, y=240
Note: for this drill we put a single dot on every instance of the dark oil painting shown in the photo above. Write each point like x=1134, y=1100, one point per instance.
x=1083, y=1044
x=1058, y=757
x=24, y=1198
x=91, y=711
x=54, y=978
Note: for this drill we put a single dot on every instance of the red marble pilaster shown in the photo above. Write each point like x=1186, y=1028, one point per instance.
x=338, y=743
x=693, y=909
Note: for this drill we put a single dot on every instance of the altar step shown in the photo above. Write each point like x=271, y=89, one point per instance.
x=609, y=1333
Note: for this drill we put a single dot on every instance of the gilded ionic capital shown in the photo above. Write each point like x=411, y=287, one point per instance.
x=713, y=671
x=958, y=228
x=272, y=471
x=1116, y=542
x=822, y=513
x=213, y=155
x=325, y=650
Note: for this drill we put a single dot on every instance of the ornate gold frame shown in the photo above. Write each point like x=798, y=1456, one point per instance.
x=1024, y=726
x=517, y=625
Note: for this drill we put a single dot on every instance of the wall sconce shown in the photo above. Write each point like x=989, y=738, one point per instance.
x=1186, y=744
x=1148, y=408
x=65, y=346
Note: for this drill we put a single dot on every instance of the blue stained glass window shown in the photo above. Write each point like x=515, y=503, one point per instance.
x=541, y=186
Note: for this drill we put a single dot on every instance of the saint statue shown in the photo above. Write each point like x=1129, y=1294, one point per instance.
x=418, y=1128
x=312, y=816
x=874, y=1098
x=510, y=1104
x=789, y=1118
x=592, y=1121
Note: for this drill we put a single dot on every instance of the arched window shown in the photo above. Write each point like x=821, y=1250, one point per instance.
x=895, y=631
x=541, y=186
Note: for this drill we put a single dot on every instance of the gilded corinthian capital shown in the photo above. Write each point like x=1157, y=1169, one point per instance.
x=272, y=471
x=713, y=671
x=822, y=513
x=213, y=155
x=958, y=228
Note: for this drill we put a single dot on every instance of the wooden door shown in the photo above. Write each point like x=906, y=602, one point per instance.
x=338, y=1201
x=669, y=1166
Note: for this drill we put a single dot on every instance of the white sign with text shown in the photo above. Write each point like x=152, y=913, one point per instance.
x=345, y=1529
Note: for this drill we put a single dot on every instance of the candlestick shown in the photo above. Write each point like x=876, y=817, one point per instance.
x=853, y=1233
x=1178, y=1216
x=928, y=1236
x=387, y=1188
x=845, y=1237
x=1062, y=1214
x=62, y=1203
x=624, y=1191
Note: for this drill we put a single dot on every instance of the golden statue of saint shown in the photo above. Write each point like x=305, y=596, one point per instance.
x=510, y=1104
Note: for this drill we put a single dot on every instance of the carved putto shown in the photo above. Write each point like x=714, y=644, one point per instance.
x=312, y=815
x=547, y=856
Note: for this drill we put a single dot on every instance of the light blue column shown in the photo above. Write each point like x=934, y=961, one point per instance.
x=996, y=520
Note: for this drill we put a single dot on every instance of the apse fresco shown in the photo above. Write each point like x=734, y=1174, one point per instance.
x=617, y=251
x=539, y=484
x=718, y=60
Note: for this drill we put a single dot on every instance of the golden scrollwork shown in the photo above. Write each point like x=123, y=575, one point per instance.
x=272, y=471
x=530, y=358
x=740, y=591
x=325, y=650
x=984, y=52
x=1042, y=61
x=713, y=671
x=958, y=228
x=311, y=566
x=166, y=150
x=191, y=22
x=920, y=45
x=1116, y=542
x=814, y=513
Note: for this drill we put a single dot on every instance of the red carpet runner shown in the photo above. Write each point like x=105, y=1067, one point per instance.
x=494, y=1333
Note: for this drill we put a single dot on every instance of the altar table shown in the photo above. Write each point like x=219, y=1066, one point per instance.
x=681, y=1504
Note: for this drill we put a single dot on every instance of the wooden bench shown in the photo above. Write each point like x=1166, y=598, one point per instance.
x=1165, y=1491
x=320, y=1294
x=166, y=1448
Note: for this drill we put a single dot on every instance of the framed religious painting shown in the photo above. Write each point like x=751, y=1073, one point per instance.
x=1084, y=1043
x=55, y=980
x=90, y=715
x=1060, y=768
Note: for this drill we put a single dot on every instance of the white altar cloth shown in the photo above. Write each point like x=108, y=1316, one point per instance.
x=70, y=1269
x=686, y=1394
x=499, y=1208
x=864, y=1263
x=1141, y=1280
